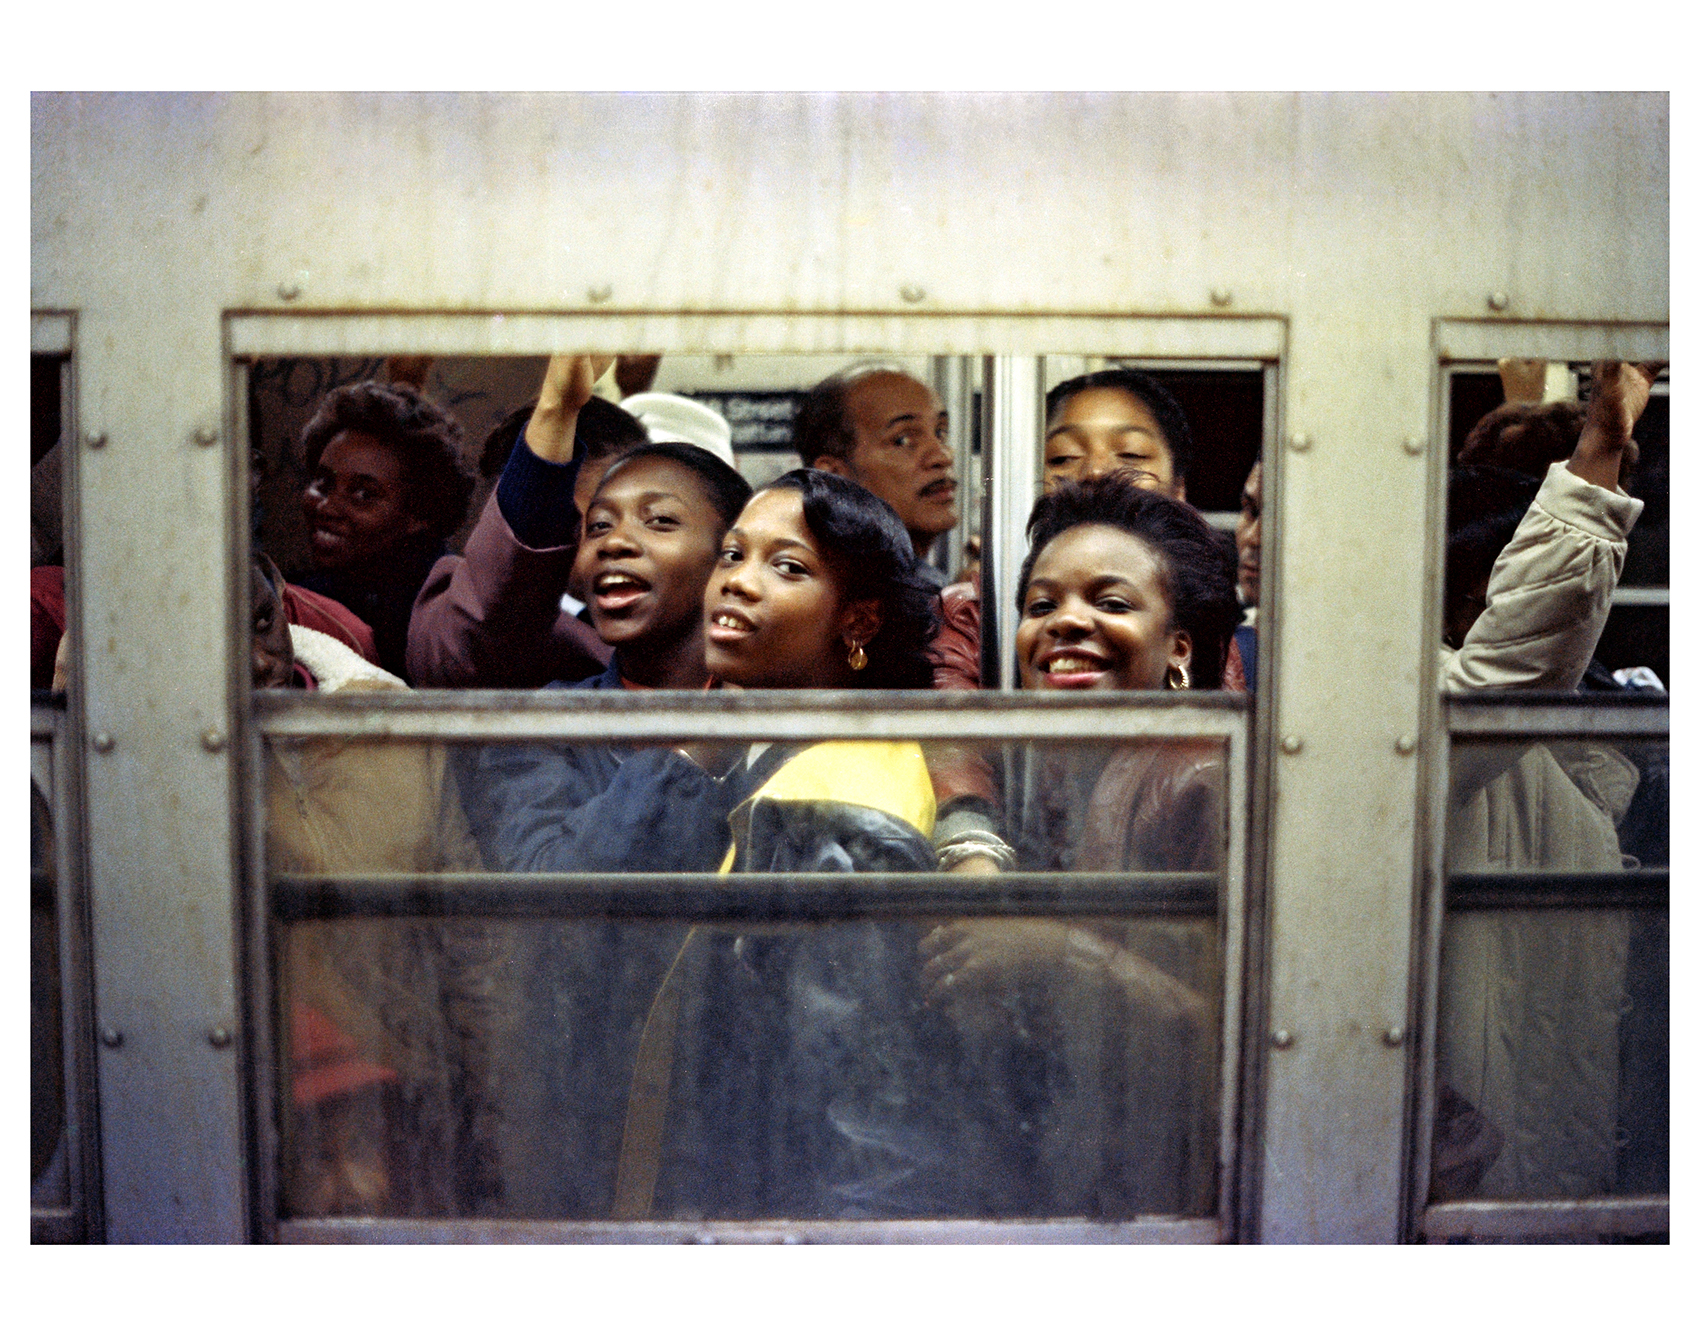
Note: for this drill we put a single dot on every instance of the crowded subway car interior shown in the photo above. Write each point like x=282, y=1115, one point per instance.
x=743, y=720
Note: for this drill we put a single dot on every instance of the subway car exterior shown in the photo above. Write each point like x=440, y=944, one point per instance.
x=1349, y=264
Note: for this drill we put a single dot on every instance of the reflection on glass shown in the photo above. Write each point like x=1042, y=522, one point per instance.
x=1553, y=1078
x=49, y=1182
x=926, y=1060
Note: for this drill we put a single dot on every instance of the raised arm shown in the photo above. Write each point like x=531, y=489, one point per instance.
x=492, y=618
x=1551, y=589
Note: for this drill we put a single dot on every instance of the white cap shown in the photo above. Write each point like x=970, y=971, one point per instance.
x=672, y=417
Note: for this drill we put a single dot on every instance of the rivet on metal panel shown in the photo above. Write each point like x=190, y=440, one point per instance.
x=1282, y=1039
x=1394, y=1037
x=599, y=294
x=206, y=435
x=112, y=1038
x=288, y=291
x=1298, y=441
x=912, y=292
x=101, y=742
x=218, y=1037
x=1221, y=296
x=1405, y=745
x=1413, y=445
x=213, y=740
x=1498, y=301
x=95, y=439
x=1292, y=745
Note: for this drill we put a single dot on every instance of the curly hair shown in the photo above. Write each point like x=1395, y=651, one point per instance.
x=1196, y=565
x=1524, y=437
x=822, y=425
x=425, y=440
x=1171, y=418
x=869, y=551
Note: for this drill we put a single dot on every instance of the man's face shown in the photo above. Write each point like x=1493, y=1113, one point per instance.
x=1248, y=535
x=1106, y=430
x=902, y=453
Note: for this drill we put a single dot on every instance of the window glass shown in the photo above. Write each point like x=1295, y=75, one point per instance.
x=1553, y=1041
x=551, y=1027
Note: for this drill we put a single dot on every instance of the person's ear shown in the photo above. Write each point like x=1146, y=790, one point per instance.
x=832, y=464
x=1180, y=650
x=859, y=622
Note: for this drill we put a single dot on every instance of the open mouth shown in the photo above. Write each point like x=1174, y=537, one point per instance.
x=726, y=626
x=614, y=591
x=1070, y=669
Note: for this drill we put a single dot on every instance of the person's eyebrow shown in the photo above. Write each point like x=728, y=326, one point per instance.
x=903, y=417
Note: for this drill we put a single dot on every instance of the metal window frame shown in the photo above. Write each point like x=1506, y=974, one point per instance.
x=1465, y=345
x=63, y=730
x=1238, y=341
x=682, y=717
x=79, y=1219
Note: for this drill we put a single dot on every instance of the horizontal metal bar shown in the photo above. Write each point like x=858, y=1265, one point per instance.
x=1633, y=888
x=751, y=716
x=1146, y=1229
x=1249, y=337
x=47, y=715
x=50, y=332
x=55, y=1224
x=742, y=897
x=1557, y=714
x=1488, y=339
x=1646, y=596
x=1547, y=1219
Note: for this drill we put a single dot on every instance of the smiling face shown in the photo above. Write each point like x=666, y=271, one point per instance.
x=775, y=612
x=902, y=453
x=1107, y=430
x=1096, y=616
x=1248, y=536
x=651, y=540
x=356, y=504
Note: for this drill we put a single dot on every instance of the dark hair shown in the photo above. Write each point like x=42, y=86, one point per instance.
x=603, y=429
x=725, y=488
x=425, y=440
x=822, y=425
x=1171, y=419
x=1524, y=437
x=1196, y=566
x=870, y=553
x=1484, y=506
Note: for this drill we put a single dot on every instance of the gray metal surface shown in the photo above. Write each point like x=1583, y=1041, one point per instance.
x=1533, y=1221
x=746, y=716
x=1364, y=239
x=1149, y=1230
x=1519, y=715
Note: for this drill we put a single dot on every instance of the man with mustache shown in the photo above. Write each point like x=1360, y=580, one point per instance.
x=881, y=427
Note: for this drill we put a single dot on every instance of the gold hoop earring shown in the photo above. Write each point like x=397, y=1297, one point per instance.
x=1169, y=677
x=858, y=656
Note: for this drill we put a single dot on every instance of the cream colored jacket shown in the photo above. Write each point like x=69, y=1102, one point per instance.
x=1530, y=1000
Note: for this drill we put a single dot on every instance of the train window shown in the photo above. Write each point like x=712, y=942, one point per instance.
x=1549, y=1112
x=63, y=1204
x=623, y=959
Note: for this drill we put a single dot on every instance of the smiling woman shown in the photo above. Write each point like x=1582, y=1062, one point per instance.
x=386, y=487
